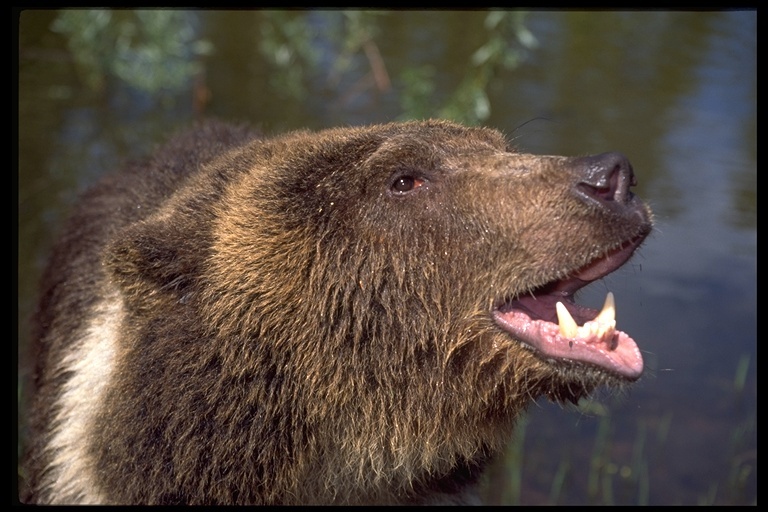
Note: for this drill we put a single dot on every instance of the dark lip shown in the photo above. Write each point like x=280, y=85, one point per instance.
x=539, y=303
x=599, y=267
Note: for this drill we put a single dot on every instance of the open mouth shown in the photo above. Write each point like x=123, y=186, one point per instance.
x=548, y=320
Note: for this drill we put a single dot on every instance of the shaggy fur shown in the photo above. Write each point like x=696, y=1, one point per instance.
x=307, y=318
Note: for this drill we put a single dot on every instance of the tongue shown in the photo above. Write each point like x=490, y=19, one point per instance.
x=596, y=342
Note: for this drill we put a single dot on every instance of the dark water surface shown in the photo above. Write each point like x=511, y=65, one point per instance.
x=676, y=92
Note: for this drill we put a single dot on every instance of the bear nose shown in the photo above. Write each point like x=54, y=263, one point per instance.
x=605, y=177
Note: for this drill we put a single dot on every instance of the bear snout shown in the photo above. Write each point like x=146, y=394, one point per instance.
x=605, y=178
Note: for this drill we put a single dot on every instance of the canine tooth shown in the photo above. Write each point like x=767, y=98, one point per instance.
x=568, y=326
x=608, y=314
x=604, y=323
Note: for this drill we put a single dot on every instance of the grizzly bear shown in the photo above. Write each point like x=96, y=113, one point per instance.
x=349, y=316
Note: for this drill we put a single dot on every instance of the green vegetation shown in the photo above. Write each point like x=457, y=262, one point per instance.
x=152, y=50
x=160, y=52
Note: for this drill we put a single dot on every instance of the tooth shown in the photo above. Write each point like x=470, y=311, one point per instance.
x=568, y=326
x=602, y=326
x=608, y=315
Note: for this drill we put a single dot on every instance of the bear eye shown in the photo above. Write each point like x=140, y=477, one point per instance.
x=405, y=184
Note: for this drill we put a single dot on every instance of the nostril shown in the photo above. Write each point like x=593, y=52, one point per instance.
x=605, y=177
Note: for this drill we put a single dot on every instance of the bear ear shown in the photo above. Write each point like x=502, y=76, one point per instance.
x=152, y=256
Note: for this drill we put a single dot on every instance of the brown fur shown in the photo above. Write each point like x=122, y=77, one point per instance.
x=296, y=331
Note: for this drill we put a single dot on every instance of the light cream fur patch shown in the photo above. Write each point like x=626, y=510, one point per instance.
x=91, y=361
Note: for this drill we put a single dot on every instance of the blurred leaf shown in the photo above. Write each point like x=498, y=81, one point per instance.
x=150, y=50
